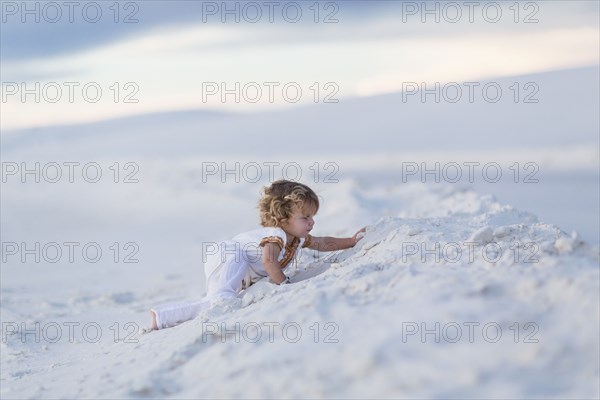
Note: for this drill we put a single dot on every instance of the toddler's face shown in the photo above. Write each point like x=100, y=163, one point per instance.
x=300, y=222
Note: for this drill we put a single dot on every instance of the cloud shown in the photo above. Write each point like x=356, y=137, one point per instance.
x=482, y=57
x=168, y=64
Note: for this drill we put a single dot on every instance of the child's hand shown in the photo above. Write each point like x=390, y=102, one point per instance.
x=359, y=235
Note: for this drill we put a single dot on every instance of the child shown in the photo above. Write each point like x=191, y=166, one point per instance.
x=286, y=213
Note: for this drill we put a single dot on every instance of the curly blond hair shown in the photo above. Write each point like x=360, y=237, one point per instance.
x=278, y=201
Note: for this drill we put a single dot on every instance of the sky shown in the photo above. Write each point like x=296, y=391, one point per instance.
x=90, y=61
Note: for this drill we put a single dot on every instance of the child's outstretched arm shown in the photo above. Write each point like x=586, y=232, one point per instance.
x=328, y=243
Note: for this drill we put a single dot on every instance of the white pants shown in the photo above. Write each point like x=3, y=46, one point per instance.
x=223, y=280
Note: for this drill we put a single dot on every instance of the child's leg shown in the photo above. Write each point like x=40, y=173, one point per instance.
x=227, y=279
x=167, y=315
x=224, y=279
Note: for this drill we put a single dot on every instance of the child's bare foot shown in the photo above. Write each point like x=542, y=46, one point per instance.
x=154, y=326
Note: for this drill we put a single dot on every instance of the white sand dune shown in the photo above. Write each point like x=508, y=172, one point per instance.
x=416, y=310
x=381, y=320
